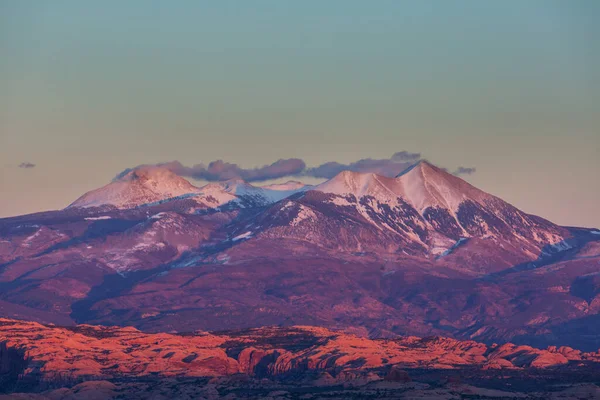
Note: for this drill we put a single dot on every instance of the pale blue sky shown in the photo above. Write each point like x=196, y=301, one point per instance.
x=510, y=87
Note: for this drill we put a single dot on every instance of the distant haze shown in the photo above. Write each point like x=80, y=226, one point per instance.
x=510, y=88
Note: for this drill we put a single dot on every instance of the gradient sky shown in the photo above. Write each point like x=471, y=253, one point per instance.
x=512, y=88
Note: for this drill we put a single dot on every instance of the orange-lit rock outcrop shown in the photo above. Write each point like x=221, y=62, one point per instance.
x=87, y=351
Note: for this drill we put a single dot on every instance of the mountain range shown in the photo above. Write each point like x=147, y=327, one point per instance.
x=423, y=253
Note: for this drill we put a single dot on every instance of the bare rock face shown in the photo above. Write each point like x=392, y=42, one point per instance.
x=250, y=357
x=301, y=362
x=90, y=351
x=548, y=360
x=93, y=352
x=397, y=375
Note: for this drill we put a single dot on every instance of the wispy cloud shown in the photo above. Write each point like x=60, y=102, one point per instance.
x=464, y=171
x=392, y=166
x=406, y=156
x=26, y=164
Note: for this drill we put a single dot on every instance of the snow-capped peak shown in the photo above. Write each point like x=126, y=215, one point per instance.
x=425, y=185
x=422, y=185
x=361, y=184
x=142, y=185
x=235, y=190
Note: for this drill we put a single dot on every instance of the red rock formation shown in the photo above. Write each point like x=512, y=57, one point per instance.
x=107, y=352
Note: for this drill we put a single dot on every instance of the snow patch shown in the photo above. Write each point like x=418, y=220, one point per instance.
x=102, y=217
x=341, y=201
x=158, y=216
x=561, y=246
x=27, y=241
x=188, y=262
x=244, y=235
x=144, y=245
x=288, y=204
x=304, y=213
x=234, y=191
x=223, y=258
x=454, y=247
x=345, y=183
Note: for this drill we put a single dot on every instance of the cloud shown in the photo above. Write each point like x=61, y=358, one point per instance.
x=464, y=171
x=392, y=166
x=220, y=170
x=125, y=172
x=405, y=156
x=26, y=164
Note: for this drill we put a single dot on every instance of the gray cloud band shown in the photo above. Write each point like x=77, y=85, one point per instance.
x=220, y=170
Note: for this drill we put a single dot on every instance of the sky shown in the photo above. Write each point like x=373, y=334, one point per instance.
x=511, y=88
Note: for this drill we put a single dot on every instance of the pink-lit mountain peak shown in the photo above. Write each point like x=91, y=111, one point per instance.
x=357, y=184
x=422, y=185
x=425, y=185
x=150, y=184
x=141, y=185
